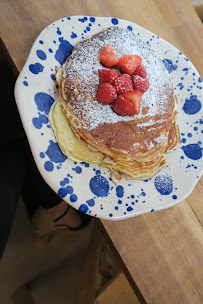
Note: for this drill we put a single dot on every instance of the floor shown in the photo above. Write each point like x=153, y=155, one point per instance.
x=53, y=271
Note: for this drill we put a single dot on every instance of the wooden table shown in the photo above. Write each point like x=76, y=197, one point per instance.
x=160, y=253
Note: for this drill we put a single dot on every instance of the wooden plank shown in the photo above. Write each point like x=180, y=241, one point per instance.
x=118, y=292
x=161, y=253
x=198, y=6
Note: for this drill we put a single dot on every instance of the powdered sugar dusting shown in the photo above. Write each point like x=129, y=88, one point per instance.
x=82, y=73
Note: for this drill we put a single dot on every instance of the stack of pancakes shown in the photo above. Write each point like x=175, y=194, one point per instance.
x=133, y=147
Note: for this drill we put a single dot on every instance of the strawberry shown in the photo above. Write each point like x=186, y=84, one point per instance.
x=123, y=106
x=123, y=84
x=106, y=93
x=135, y=98
x=108, y=56
x=129, y=63
x=108, y=76
x=141, y=72
x=140, y=84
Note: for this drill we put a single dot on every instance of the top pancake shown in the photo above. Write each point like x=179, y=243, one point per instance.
x=141, y=137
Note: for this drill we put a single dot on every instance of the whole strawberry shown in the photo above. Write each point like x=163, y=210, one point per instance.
x=106, y=93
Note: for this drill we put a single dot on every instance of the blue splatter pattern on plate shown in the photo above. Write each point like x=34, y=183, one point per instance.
x=89, y=188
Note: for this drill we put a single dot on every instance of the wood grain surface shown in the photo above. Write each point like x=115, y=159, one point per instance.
x=161, y=252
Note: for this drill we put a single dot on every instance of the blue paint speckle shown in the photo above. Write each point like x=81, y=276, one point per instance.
x=49, y=166
x=119, y=202
x=64, y=50
x=129, y=209
x=41, y=54
x=99, y=185
x=69, y=189
x=199, y=79
x=92, y=19
x=39, y=121
x=78, y=170
x=169, y=65
x=91, y=202
x=53, y=77
x=36, y=68
x=189, y=135
x=43, y=102
x=88, y=28
x=110, y=214
x=73, y=198
x=25, y=83
x=50, y=51
x=116, y=208
x=83, y=208
x=192, y=105
x=62, y=192
x=180, y=85
x=193, y=151
x=129, y=28
x=82, y=19
x=73, y=35
x=143, y=194
x=54, y=153
x=58, y=31
x=114, y=21
x=42, y=155
x=174, y=197
x=152, y=210
x=41, y=42
x=164, y=184
x=185, y=70
x=119, y=191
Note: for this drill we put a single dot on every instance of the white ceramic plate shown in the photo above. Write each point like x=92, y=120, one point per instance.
x=87, y=187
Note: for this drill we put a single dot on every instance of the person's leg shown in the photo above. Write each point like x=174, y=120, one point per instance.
x=37, y=193
x=12, y=174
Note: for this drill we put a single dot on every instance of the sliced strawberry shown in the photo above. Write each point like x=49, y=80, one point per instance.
x=108, y=76
x=140, y=84
x=108, y=56
x=106, y=93
x=123, y=107
x=123, y=84
x=135, y=98
x=129, y=63
x=141, y=72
